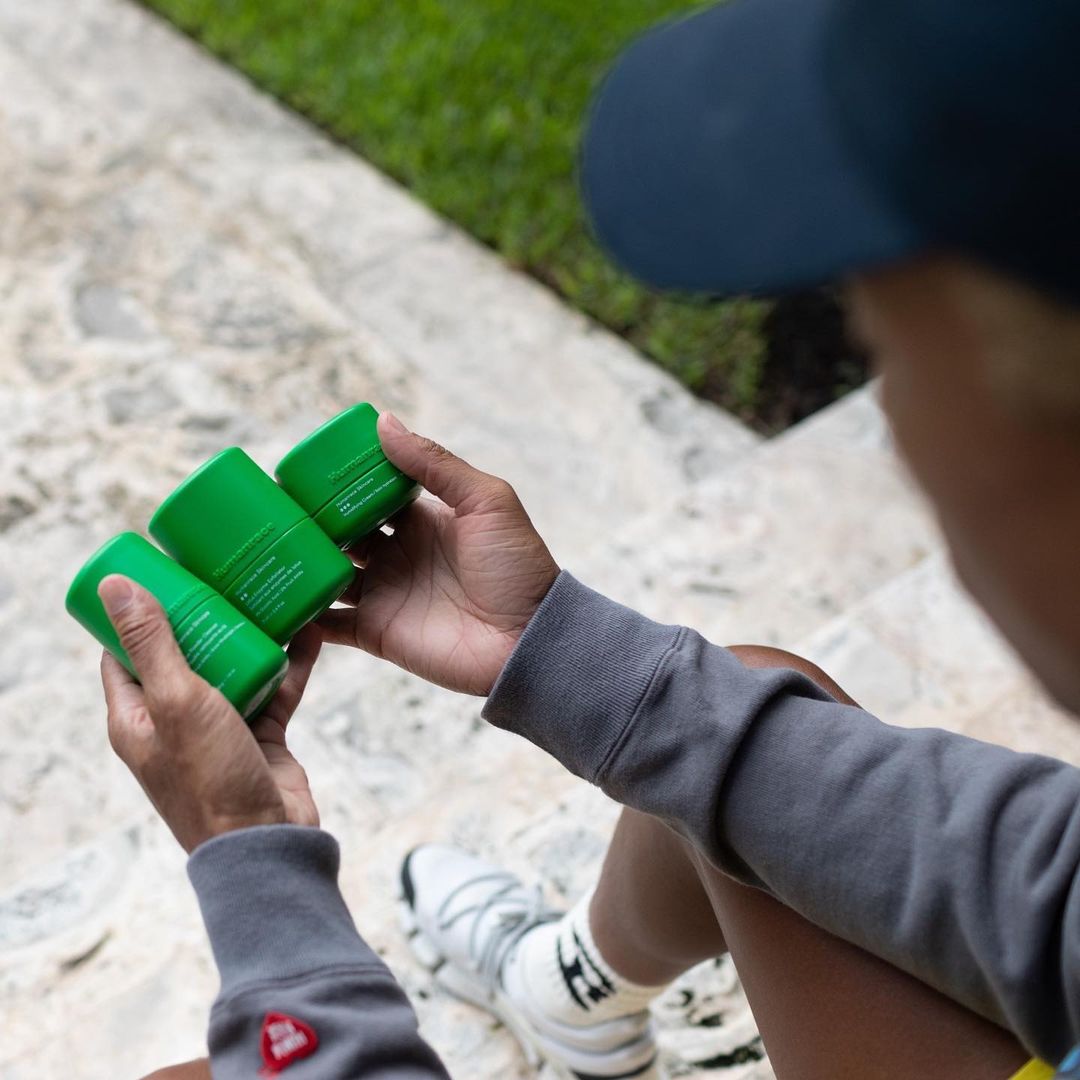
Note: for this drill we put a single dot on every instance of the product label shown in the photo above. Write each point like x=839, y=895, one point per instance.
x=203, y=636
x=222, y=646
x=178, y=605
x=264, y=590
x=361, y=493
x=244, y=549
x=350, y=466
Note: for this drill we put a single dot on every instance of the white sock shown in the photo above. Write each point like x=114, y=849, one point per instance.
x=568, y=979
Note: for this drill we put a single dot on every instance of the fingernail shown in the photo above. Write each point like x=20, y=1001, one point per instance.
x=116, y=593
x=394, y=424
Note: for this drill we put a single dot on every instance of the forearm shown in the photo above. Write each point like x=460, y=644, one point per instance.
x=285, y=944
x=950, y=858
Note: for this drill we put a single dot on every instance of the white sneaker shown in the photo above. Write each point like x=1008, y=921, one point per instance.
x=464, y=919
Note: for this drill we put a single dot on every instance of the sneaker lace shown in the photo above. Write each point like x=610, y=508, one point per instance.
x=521, y=909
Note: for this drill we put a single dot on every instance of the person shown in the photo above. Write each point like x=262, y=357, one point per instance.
x=899, y=903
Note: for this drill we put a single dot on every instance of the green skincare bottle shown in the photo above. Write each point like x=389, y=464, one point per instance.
x=226, y=649
x=341, y=477
x=233, y=527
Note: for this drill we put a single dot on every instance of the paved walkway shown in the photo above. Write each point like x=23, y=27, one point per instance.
x=185, y=266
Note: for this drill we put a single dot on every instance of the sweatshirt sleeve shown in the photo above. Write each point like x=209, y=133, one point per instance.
x=953, y=859
x=300, y=989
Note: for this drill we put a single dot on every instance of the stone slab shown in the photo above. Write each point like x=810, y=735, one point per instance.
x=918, y=652
x=185, y=265
x=775, y=546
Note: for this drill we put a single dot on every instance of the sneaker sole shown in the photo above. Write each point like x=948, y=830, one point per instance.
x=462, y=986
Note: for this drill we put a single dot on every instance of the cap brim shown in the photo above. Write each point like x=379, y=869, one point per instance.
x=711, y=161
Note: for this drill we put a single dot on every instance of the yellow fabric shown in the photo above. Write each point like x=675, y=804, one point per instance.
x=1034, y=1070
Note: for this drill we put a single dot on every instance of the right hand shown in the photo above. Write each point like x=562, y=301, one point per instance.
x=203, y=768
x=449, y=593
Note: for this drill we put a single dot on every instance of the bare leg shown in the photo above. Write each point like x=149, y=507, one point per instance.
x=826, y=1009
x=672, y=924
x=650, y=915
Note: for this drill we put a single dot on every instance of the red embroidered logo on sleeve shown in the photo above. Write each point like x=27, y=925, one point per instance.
x=285, y=1040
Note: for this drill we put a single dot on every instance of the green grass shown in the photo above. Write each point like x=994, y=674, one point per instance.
x=477, y=106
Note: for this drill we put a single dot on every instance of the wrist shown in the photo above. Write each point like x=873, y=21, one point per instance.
x=220, y=824
x=508, y=638
x=507, y=643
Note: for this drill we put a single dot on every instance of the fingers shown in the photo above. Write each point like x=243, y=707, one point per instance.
x=351, y=596
x=372, y=549
x=444, y=474
x=361, y=554
x=361, y=551
x=129, y=722
x=147, y=638
x=303, y=652
x=121, y=689
x=338, y=626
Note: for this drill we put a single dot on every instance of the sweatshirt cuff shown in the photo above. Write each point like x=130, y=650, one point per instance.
x=578, y=675
x=271, y=904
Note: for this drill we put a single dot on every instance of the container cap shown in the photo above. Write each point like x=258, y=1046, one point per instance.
x=219, y=519
x=134, y=557
x=332, y=457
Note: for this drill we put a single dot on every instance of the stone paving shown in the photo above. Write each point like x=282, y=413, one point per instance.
x=183, y=266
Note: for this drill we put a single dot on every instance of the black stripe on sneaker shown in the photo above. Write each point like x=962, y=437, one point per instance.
x=621, y=1076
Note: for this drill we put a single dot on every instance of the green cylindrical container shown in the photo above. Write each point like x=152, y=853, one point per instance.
x=234, y=528
x=341, y=477
x=222, y=646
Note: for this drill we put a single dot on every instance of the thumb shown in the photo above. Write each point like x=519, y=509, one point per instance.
x=144, y=632
x=444, y=474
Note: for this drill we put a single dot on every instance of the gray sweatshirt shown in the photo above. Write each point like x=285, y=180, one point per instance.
x=952, y=859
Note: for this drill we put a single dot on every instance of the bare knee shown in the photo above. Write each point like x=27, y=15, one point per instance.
x=765, y=656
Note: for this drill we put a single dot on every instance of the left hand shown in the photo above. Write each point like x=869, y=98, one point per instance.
x=203, y=768
x=448, y=595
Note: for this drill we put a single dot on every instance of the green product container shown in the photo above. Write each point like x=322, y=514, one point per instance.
x=341, y=477
x=234, y=528
x=222, y=646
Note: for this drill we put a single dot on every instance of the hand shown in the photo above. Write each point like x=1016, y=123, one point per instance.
x=449, y=593
x=203, y=768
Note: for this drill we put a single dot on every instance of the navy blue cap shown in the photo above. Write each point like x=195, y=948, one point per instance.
x=766, y=145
